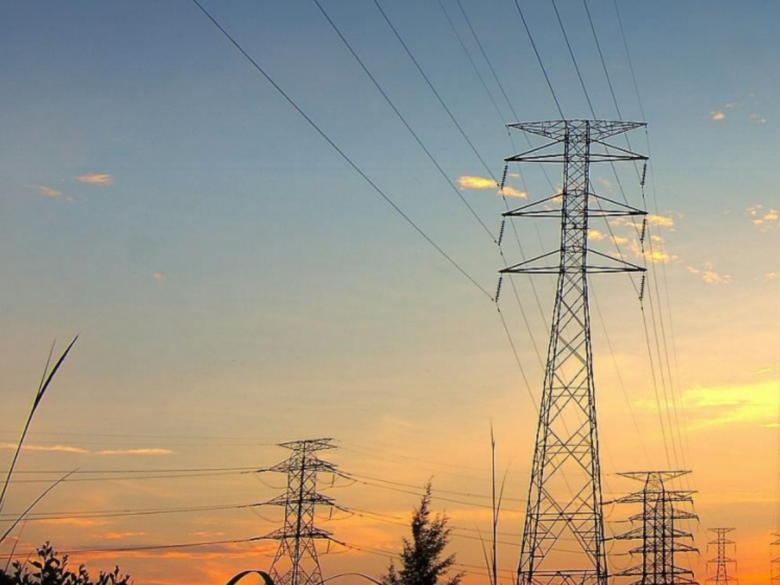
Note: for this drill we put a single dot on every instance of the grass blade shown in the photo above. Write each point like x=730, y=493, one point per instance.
x=44, y=385
x=23, y=515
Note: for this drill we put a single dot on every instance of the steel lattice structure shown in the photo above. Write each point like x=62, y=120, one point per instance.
x=657, y=530
x=297, y=537
x=563, y=537
x=722, y=560
x=774, y=570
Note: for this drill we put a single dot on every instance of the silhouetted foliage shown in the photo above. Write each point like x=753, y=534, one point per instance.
x=421, y=559
x=49, y=569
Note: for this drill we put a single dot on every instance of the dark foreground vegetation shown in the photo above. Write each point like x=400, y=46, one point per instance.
x=49, y=569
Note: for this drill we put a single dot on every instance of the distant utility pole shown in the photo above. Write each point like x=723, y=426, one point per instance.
x=296, y=538
x=563, y=537
x=656, y=528
x=722, y=561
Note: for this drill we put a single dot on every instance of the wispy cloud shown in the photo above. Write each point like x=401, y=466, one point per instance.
x=709, y=275
x=596, y=235
x=660, y=220
x=473, y=182
x=51, y=448
x=764, y=219
x=752, y=403
x=717, y=116
x=510, y=191
x=119, y=535
x=476, y=182
x=756, y=119
x=82, y=451
x=733, y=404
x=49, y=192
x=102, y=179
x=158, y=277
x=654, y=256
x=144, y=451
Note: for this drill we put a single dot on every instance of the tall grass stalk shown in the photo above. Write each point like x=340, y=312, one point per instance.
x=46, y=379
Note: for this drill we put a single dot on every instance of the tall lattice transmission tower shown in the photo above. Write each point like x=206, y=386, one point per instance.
x=657, y=529
x=296, y=561
x=563, y=537
x=722, y=561
x=774, y=569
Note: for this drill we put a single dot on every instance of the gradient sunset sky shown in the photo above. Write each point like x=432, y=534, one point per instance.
x=236, y=284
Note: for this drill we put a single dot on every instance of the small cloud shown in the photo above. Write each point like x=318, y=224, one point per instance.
x=718, y=116
x=655, y=256
x=119, y=535
x=658, y=257
x=709, y=275
x=756, y=119
x=514, y=175
x=660, y=220
x=596, y=235
x=619, y=240
x=52, y=448
x=763, y=219
x=471, y=182
x=605, y=182
x=474, y=182
x=510, y=191
x=102, y=179
x=158, y=277
x=772, y=276
x=147, y=451
x=49, y=192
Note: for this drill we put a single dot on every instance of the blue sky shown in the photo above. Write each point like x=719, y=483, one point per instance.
x=232, y=277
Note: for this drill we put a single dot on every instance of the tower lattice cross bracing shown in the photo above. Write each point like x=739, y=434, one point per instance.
x=563, y=537
x=657, y=529
x=296, y=561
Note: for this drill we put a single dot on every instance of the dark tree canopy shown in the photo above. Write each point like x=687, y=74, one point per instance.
x=49, y=569
x=422, y=561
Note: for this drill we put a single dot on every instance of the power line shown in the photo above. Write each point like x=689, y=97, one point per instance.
x=403, y=120
x=539, y=58
x=341, y=153
x=46, y=516
x=433, y=89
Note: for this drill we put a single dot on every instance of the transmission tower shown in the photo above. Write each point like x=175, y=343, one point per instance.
x=657, y=530
x=774, y=576
x=563, y=537
x=722, y=561
x=297, y=551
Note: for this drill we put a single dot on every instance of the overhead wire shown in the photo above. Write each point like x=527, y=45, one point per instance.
x=673, y=424
x=539, y=59
x=403, y=120
x=48, y=516
x=435, y=92
x=340, y=152
x=655, y=200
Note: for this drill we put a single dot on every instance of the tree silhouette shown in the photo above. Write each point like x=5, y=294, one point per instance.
x=421, y=559
x=49, y=569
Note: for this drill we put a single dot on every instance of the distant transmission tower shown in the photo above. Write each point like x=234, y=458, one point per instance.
x=563, y=537
x=657, y=530
x=774, y=575
x=722, y=560
x=297, y=551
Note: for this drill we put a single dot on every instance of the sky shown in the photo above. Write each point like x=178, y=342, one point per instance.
x=235, y=282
